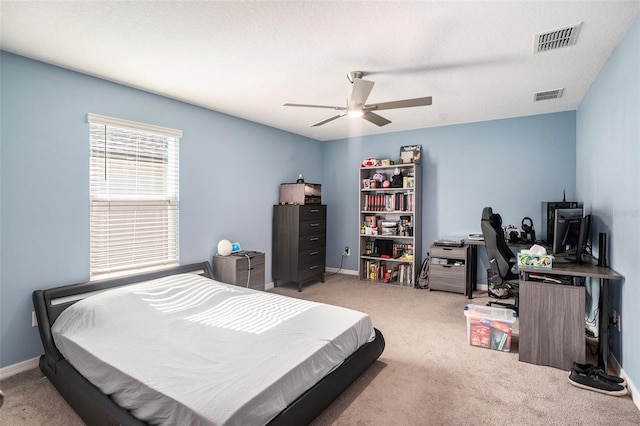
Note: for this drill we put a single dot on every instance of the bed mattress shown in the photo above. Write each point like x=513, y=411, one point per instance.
x=189, y=350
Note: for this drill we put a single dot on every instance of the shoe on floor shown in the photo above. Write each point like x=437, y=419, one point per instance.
x=596, y=383
x=498, y=292
x=588, y=368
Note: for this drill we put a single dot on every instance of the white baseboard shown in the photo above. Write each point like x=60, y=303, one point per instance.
x=342, y=271
x=635, y=395
x=12, y=370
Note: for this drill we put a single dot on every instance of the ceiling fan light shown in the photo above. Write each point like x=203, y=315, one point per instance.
x=355, y=113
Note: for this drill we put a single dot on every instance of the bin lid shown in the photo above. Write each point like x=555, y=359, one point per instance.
x=491, y=313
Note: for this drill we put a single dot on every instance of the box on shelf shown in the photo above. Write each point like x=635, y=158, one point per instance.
x=542, y=261
x=490, y=327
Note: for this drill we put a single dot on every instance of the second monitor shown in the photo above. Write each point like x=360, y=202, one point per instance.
x=571, y=233
x=566, y=229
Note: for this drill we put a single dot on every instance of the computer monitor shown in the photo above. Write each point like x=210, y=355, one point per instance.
x=548, y=217
x=583, y=238
x=566, y=229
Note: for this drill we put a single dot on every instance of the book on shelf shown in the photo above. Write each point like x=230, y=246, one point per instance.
x=389, y=202
x=378, y=270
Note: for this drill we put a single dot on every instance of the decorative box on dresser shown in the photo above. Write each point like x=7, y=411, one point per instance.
x=244, y=269
x=299, y=243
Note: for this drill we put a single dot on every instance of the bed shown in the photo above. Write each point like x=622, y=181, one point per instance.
x=263, y=358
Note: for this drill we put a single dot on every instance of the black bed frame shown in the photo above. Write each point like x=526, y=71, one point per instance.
x=96, y=408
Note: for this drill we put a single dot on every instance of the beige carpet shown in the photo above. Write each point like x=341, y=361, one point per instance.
x=428, y=374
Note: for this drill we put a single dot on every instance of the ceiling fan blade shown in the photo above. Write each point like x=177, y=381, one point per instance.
x=317, y=106
x=375, y=119
x=406, y=103
x=329, y=119
x=360, y=93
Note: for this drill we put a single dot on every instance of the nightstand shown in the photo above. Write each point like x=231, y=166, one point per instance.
x=244, y=269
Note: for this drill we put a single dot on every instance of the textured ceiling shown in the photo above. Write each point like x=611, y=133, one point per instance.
x=476, y=59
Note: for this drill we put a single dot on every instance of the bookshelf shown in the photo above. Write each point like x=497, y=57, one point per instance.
x=390, y=224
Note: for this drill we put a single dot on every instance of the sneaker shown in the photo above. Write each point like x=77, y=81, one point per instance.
x=587, y=368
x=596, y=383
x=498, y=292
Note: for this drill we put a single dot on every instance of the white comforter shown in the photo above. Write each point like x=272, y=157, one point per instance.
x=188, y=350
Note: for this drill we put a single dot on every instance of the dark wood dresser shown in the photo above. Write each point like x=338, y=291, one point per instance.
x=299, y=243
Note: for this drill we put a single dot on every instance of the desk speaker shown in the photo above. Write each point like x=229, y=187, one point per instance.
x=602, y=249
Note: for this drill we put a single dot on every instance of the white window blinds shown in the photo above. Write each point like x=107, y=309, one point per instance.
x=134, y=196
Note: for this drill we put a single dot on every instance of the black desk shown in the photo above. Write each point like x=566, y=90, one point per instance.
x=588, y=270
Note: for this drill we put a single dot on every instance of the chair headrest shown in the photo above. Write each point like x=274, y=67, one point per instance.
x=495, y=220
x=486, y=213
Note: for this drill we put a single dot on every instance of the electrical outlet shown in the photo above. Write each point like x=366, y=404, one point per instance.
x=34, y=319
x=347, y=251
x=616, y=320
x=619, y=324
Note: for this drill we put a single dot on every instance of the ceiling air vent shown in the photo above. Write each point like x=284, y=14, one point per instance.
x=557, y=39
x=548, y=94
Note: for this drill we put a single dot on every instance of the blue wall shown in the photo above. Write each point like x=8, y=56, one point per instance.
x=608, y=181
x=511, y=165
x=230, y=171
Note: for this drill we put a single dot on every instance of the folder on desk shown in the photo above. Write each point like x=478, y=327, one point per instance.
x=476, y=236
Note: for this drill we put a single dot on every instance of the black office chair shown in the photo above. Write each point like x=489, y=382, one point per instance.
x=503, y=283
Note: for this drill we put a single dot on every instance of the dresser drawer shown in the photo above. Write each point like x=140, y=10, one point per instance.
x=313, y=241
x=251, y=269
x=256, y=279
x=313, y=212
x=308, y=227
x=311, y=270
x=244, y=262
x=313, y=256
x=447, y=277
x=448, y=252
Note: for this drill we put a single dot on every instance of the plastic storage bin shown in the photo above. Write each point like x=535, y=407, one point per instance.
x=490, y=327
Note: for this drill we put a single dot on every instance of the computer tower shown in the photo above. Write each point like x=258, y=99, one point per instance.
x=548, y=217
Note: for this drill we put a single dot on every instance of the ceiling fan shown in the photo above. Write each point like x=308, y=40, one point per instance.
x=356, y=106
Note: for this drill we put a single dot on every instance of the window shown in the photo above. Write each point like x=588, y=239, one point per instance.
x=134, y=196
